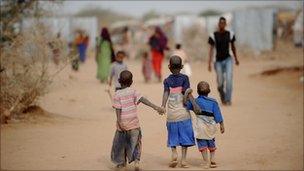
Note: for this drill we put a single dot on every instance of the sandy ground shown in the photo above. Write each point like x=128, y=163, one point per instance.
x=264, y=126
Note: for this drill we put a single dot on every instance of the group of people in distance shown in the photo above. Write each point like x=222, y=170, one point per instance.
x=177, y=102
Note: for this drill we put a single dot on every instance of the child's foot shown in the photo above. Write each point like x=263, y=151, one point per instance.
x=119, y=166
x=184, y=164
x=173, y=162
x=205, y=165
x=136, y=165
x=213, y=165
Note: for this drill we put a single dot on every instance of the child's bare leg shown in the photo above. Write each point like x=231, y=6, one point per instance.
x=184, y=154
x=174, y=156
x=205, y=158
x=212, y=160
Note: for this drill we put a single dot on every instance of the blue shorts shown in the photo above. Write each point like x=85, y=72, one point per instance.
x=180, y=133
x=206, y=144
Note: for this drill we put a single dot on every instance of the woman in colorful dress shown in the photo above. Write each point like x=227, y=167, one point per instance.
x=105, y=55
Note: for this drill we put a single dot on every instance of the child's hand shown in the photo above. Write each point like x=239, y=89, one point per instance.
x=222, y=128
x=160, y=110
x=186, y=95
x=120, y=127
x=188, y=92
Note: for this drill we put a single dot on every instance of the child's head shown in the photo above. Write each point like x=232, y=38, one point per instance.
x=125, y=78
x=178, y=46
x=203, y=88
x=145, y=55
x=120, y=56
x=175, y=64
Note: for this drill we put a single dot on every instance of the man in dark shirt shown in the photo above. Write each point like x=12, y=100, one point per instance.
x=221, y=40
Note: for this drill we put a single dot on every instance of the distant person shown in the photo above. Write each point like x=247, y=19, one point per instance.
x=179, y=124
x=117, y=67
x=181, y=53
x=82, y=41
x=208, y=114
x=146, y=66
x=158, y=43
x=56, y=45
x=127, y=140
x=221, y=39
x=105, y=55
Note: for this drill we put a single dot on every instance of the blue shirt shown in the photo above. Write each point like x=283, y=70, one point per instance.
x=177, y=80
x=208, y=105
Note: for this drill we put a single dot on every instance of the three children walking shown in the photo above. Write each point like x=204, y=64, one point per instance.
x=176, y=103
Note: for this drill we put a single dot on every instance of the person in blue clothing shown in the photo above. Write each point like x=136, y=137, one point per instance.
x=208, y=114
x=179, y=124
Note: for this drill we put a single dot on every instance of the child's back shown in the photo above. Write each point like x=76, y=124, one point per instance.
x=176, y=84
x=179, y=125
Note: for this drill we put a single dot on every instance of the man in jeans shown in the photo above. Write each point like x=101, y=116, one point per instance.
x=221, y=40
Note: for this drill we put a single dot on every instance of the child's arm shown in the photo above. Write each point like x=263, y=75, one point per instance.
x=110, y=81
x=222, y=127
x=150, y=104
x=118, y=116
x=165, y=98
x=196, y=108
x=218, y=117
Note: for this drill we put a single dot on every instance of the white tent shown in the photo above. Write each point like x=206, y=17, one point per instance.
x=298, y=38
x=182, y=22
x=254, y=28
x=66, y=26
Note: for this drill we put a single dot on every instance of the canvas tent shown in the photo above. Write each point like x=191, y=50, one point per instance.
x=254, y=28
x=66, y=26
x=298, y=30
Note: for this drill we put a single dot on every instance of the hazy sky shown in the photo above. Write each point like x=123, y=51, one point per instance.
x=137, y=8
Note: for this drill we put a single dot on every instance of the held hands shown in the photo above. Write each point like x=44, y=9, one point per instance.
x=160, y=110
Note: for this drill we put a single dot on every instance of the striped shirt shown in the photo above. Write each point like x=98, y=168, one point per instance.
x=127, y=100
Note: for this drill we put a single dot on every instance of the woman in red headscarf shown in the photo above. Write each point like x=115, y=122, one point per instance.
x=158, y=43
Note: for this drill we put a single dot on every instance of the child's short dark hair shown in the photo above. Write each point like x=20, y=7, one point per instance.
x=126, y=78
x=145, y=54
x=203, y=88
x=121, y=52
x=178, y=46
x=175, y=62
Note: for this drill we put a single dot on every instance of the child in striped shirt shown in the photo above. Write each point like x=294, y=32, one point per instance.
x=127, y=139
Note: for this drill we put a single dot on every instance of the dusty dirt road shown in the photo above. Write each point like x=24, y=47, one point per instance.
x=264, y=126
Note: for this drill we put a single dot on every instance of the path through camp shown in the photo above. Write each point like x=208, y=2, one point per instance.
x=264, y=125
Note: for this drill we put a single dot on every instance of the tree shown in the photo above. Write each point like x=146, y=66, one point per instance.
x=149, y=15
x=209, y=12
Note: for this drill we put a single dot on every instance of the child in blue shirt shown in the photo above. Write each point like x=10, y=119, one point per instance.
x=179, y=124
x=208, y=114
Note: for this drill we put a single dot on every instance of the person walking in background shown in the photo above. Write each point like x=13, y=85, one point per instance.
x=158, y=43
x=221, y=39
x=82, y=41
x=182, y=54
x=105, y=55
x=117, y=67
x=146, y=66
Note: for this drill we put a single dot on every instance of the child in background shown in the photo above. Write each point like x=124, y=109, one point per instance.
x=179, y=125
x=181, y=53
x=208, y=114
x=146, y=67
x=117, y=67
x=127, y=140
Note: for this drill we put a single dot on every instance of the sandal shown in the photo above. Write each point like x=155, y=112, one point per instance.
x=213, y=165
x=173, y=163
